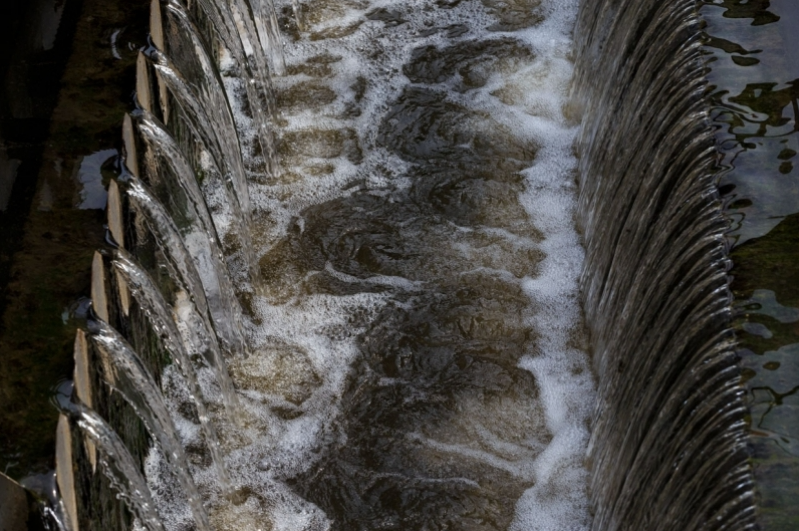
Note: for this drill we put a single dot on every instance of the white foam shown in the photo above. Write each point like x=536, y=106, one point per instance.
x=314, y=333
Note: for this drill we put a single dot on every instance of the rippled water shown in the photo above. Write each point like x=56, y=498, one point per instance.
x=754, y=71
x=418, y=352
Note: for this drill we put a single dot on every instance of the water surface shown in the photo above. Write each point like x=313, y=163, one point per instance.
x=755, y=83
x=419, y=360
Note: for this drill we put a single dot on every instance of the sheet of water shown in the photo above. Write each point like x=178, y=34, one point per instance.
x=417, y=355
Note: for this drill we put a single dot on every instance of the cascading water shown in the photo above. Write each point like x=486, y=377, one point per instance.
x=170, y=173
x=668, y=448
x=127, y=374
x=159, y=311
x=205, y=289
x=411, y=353
x=118, y=465
x=421, y=290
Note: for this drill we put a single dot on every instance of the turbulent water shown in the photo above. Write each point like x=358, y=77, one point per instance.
x=417, y=351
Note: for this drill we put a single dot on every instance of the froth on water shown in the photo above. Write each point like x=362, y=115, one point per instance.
x=417, y=355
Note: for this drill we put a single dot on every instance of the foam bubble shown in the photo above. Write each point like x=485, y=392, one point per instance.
x=306, y=345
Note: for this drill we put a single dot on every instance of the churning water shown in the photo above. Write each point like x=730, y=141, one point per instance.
x=356, y=243
x=417, y=351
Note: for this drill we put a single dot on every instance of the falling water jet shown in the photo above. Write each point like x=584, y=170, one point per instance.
x=204, y=290
x=166, y=169
x=45, y=491
x=268, y=42
x=117, y=464
x=296, y=8
x=160, y=142
x=269, y=34
x=134, y=382
x=182, y=343
x=225, y=155
x=668, y=447
x=254, y=71
x=213, y=89
x=214, y=135
x=170, y=173
x=188, y=52
x=163, y=156
x=183, y=321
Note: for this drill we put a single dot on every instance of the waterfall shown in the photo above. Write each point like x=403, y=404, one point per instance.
x=183, y=43
x=668, y=448
x=171, y=175
x=181, y=207
x=153, y=303
x=205, y=289
x=384, y=330
x=118, y=465
x=128, y=375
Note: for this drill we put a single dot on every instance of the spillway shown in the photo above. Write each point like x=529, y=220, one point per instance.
x=435, y=264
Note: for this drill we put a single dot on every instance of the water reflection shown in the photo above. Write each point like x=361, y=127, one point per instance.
x=766, y=108
x=755, y=92
x=93, y=193
x=757, y=10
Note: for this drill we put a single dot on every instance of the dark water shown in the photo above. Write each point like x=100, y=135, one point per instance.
x=403, y=373
x=422, y=232
x=755, y=90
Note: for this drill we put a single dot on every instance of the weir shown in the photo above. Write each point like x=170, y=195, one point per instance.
x=453, y=264
x=655, y=283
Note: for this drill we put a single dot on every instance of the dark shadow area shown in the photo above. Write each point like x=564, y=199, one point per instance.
x=68, y=69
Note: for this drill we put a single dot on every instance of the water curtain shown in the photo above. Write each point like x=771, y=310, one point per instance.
x=167, y=291
x=668, y=448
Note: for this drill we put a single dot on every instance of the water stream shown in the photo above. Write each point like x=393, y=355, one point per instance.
x=180, y=342
x=418, y=357
x=670, y=413
x=384, y=330
x=195, y=276
x=126, y=373
x=118, y=465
